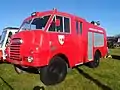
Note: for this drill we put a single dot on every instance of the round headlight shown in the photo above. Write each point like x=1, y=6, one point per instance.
x=21, y=41
x=30, y=59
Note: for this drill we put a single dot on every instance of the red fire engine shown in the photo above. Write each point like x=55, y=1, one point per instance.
x=54, y=41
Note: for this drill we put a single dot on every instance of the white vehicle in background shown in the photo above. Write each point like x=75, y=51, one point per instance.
x=6, y=34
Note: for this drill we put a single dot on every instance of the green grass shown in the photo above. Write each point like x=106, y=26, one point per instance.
x=105, y=77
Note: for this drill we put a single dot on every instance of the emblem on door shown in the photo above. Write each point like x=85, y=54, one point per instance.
x=61, y=39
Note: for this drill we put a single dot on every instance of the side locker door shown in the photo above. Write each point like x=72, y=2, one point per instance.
x=90, y=46
x=79, y=28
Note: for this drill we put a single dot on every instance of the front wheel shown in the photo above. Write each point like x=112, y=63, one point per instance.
x=55, y=72
x=95, y=62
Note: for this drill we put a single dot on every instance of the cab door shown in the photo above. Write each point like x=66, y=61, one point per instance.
x=55, y=31
x=59, y=35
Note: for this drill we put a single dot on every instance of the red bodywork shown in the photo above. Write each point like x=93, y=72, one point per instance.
x=43, y=45
x=1, y=54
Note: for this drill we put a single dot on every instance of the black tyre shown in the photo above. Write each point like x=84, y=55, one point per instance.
x=96, y=61
x=55, y=72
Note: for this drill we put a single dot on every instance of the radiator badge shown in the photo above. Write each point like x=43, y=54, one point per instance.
x=61, y=39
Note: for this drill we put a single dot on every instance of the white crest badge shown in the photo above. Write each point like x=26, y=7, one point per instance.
x=61, y=39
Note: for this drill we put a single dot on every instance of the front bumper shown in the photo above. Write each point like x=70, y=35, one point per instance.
x=24, y=61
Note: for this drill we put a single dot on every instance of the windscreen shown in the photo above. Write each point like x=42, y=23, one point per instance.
x=36, y=23
x=25, y=25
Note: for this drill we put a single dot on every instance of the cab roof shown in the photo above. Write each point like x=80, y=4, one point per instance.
x=54, y=11
x=11, y=28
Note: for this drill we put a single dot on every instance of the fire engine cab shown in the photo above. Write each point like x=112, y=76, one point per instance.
x=6, y=34
x=53, y=41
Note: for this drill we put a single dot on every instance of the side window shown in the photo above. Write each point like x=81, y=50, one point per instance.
x=77, y=27
x=57, y=28
x=60, y=28
x=98, y=40
x=66, y=25
x=81, y=27
x=9, y=36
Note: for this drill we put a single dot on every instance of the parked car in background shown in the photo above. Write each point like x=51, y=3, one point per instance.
x=5, y=36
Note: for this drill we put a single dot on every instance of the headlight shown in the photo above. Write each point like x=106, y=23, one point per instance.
x=17, y=41
x=21, y=41
x=30, y=59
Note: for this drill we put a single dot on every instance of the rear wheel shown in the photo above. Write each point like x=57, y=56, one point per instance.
x=96, y=61
x=55, y=72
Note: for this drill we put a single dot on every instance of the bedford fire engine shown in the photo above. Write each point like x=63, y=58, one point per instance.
x=6, y=34
x=53, y=41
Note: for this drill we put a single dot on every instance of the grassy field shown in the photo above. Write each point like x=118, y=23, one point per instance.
x=105, y=77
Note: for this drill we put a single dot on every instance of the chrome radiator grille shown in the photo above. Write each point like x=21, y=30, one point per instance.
x=15, y=50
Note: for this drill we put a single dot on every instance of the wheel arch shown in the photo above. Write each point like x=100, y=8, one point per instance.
x=98, y=51
x=64, y=57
